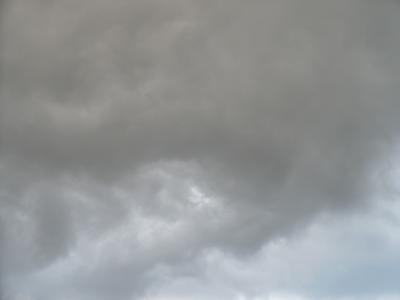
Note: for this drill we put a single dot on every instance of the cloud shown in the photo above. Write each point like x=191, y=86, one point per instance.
x=337, y=257
x=140, y=133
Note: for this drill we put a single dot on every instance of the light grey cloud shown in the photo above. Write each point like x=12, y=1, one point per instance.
x=139, y=133
x=338, y=257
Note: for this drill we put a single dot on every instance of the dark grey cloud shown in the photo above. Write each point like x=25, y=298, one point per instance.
x=135, y=133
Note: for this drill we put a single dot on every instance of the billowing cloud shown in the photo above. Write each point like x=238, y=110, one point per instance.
x=138, y=135
x=350, y=257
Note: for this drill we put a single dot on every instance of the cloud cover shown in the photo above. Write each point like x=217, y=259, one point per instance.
x=135, y=134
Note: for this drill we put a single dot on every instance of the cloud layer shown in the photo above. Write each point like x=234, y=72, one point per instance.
x=139, y=134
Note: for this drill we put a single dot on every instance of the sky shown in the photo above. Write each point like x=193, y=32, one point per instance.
x=199, y=150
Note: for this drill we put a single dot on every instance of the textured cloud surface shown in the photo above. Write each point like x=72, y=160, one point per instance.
x=147, y=143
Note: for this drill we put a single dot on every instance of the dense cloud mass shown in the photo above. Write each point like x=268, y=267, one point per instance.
x=147, y=143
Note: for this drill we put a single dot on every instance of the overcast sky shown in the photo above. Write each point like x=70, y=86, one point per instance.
x=199, y=150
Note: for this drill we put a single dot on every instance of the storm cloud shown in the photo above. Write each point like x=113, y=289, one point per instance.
x=137, y=136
